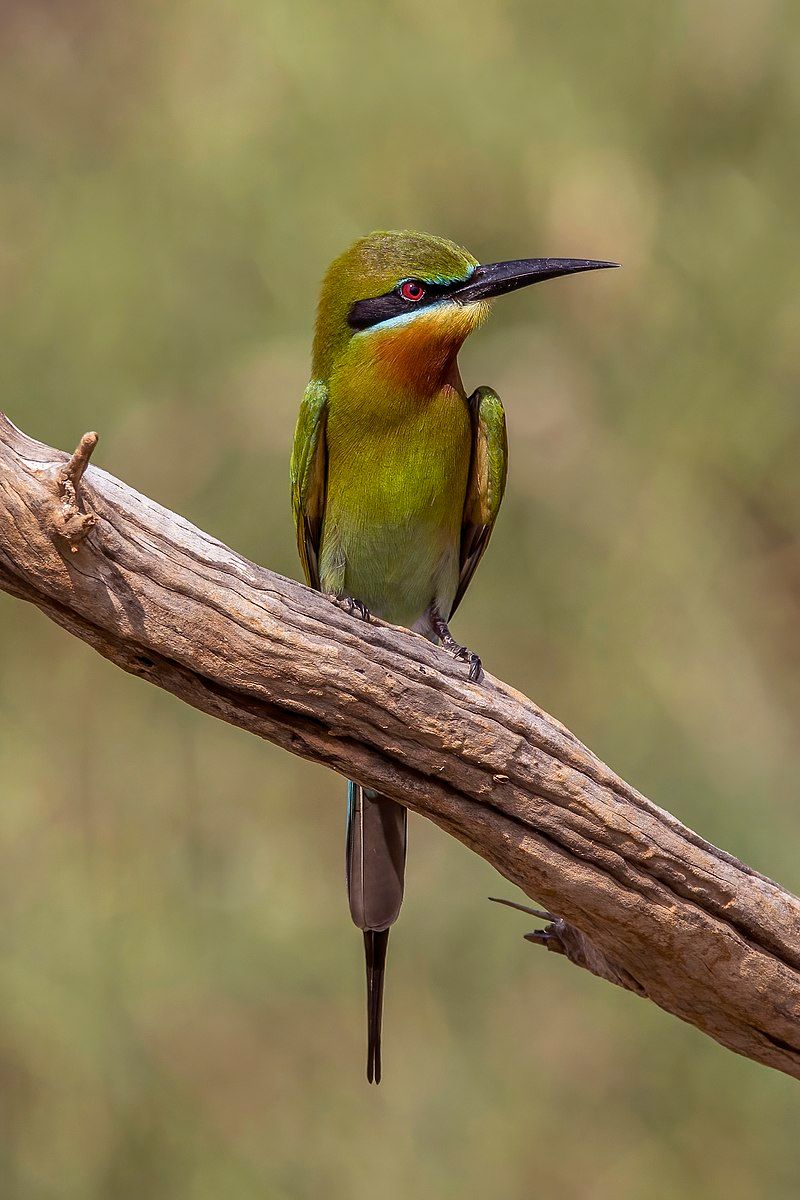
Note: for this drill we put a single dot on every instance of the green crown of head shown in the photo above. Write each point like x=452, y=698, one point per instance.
x=373, y=266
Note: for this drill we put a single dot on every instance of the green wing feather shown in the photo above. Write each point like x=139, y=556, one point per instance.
x=486, y=483
x=309, y=471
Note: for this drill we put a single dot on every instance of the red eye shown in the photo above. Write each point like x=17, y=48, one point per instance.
x=412, y=290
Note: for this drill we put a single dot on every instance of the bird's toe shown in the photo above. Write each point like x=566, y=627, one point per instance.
x=356, y=608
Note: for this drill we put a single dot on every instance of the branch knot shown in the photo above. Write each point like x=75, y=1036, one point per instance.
x=70, y=518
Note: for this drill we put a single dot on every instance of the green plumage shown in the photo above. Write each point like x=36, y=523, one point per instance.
x=397, y=480
x=397, y=477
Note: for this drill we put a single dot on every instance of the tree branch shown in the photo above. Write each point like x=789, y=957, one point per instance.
x=643, y=901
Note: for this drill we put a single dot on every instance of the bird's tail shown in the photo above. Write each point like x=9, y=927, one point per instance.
x=376, y=942
x=376, y=857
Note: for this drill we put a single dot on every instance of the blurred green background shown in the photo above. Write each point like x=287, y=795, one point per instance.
x=181, y=994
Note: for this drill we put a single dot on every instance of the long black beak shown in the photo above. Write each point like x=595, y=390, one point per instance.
x=494, y=279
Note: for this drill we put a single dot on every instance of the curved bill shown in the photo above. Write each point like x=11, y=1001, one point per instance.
x=494, y=279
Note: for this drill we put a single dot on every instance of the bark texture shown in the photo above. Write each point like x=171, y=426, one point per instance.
x=642, y=900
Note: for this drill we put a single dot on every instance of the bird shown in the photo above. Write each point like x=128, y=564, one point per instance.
x=397, y=477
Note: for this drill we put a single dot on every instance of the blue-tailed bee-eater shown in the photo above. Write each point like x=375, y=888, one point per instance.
x=397, y=478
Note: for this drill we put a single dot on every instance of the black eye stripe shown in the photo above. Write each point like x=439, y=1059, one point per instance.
x=372, y=311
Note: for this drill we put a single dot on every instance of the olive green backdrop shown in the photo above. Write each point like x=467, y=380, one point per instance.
x=181, y=991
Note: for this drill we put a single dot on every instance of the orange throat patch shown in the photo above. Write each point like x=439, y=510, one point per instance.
x=422, y=350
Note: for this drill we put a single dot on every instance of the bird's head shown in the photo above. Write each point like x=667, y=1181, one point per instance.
x=404, y=302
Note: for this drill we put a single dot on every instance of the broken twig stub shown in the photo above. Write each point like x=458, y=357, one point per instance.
x=70, y=519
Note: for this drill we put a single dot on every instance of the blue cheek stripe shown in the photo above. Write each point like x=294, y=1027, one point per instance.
x=403, y=318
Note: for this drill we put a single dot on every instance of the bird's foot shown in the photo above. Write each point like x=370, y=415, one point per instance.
x=460, y=653
x=350, y=605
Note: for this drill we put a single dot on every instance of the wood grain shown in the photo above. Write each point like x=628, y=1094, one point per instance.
x=641, y=900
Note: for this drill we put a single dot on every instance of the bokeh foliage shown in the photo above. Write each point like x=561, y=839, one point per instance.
x=180, y=987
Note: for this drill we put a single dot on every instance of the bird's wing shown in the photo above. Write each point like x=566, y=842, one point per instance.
x=309, y=472
x=486, y=483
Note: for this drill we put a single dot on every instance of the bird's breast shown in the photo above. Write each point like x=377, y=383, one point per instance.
x=397, y=477
x=400, y=461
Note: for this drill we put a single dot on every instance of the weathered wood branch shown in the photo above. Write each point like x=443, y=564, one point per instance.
x=642, y=900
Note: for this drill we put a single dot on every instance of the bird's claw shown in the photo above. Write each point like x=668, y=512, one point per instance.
x=462, y=654
x=356, y=608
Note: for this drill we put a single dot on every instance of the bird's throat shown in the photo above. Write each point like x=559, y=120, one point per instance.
x=421, y=355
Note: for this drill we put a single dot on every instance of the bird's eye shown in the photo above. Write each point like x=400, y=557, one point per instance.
x=412, y=290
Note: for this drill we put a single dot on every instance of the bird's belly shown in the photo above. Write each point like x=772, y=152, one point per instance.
x=398, y=569
x=393, y=518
